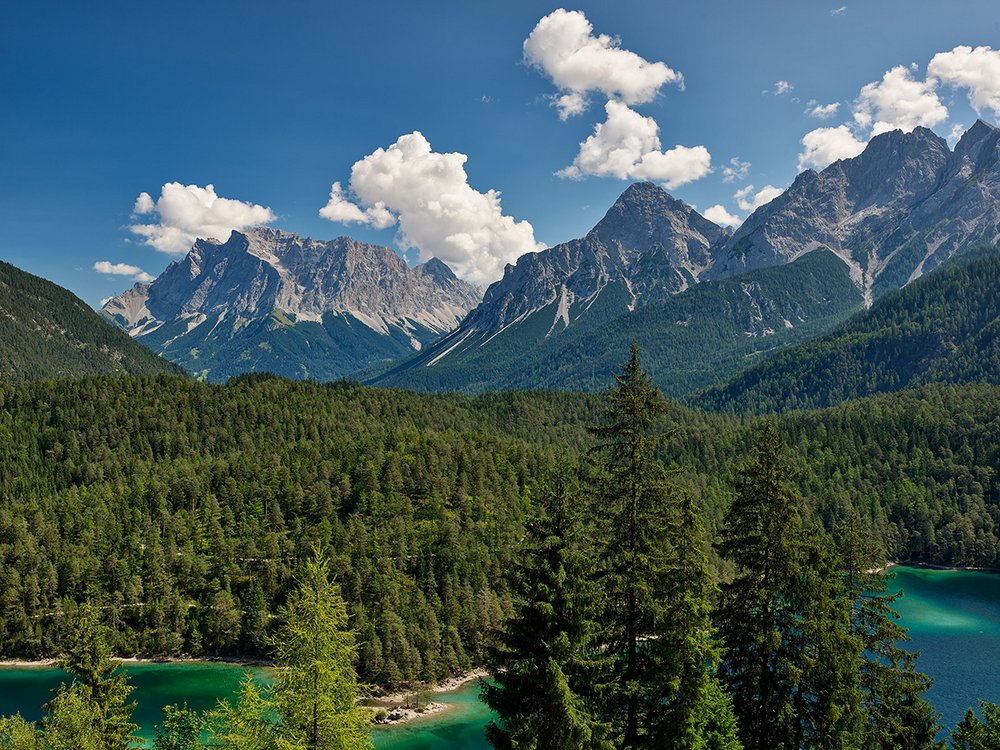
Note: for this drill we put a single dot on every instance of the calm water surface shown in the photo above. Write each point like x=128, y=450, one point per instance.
x=953, y=618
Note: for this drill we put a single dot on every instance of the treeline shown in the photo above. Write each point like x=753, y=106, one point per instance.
x=179, y=510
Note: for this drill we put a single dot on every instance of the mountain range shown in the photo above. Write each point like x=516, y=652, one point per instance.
x=896, y=211
x=267, y=300
x=706, y=303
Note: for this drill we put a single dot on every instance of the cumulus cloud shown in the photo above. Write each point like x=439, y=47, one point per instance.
x=563, y=46
x=627, y=146
x=439, y=214
x=736, y=170
x=122, y=269
x=822, y=111
x=719, y=215
x=782, y=87
x=189, y=212
x=748, y=200
x=899, y=101
x=977, y=69
x=823, y=146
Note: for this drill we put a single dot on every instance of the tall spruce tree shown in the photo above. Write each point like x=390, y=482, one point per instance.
x=973, y=733
x=545, y=668
x=315, y=689
x=697, y=711
x=652, y=568
x=791, y=659
x=896, y=713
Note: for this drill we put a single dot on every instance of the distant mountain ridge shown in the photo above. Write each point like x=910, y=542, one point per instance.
x=272, y=300
x=901, y=208
x=48, y=332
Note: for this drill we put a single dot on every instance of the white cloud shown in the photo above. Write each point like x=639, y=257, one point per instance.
x=627, y=146
x=977, y=69
x=122, y=269
x=955, y=134
x=782, y=87
x=189, y=212
x=838, y=11
x=748, y=200
x=899, y=101
x=719, y=215
x=439, y=213
x=823, y=146
x=736, y=170
x=822, y=111
x=563, y=46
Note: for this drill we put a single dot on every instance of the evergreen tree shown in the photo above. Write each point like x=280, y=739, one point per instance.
x=697, y=711
x=974, y=733
x=545, y=668
x=896, y=713
x=98, y=696
x=632, y=498
x=314, y=691
x=18, y=734
x=784, y=617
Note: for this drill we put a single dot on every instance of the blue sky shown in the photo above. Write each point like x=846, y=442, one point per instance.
x=270, y=103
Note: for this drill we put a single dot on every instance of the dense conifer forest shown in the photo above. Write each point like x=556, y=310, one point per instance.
x=180, y=508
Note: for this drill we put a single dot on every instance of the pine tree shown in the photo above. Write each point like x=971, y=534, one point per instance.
x=314, y=691
x=545, y=668
x=98, y=694
x=896, y=713
x=784, y=617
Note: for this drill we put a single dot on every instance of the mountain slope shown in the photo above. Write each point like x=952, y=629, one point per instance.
x=689, y=340
x=47, y=332
x=943, y=328
x=272, y=301
x=903, y=206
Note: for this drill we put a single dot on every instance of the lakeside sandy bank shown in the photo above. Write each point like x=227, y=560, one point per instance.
x=404, y=706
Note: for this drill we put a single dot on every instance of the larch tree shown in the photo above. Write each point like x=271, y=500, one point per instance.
x=316, y=688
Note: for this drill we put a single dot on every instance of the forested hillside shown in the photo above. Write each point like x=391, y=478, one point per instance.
x=46, y=332
x=181, y=508
x=942, y=328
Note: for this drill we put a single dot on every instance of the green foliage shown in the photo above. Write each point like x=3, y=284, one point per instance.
x=942, y=328
x=653, y=574
x=791, y=660
x=316, y=685
x=250, y=724
x=897, y=715
x=96, y=704
x=46, y=332
x=974, y=733
x=545, y=670
x=180, y=729
x=689, y=340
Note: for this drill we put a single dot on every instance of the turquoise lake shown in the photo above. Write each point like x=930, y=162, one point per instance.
x=953, y=618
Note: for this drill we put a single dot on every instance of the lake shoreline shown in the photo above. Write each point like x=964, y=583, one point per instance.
x=230, y=661
x=935, y=566
x=400, y=709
